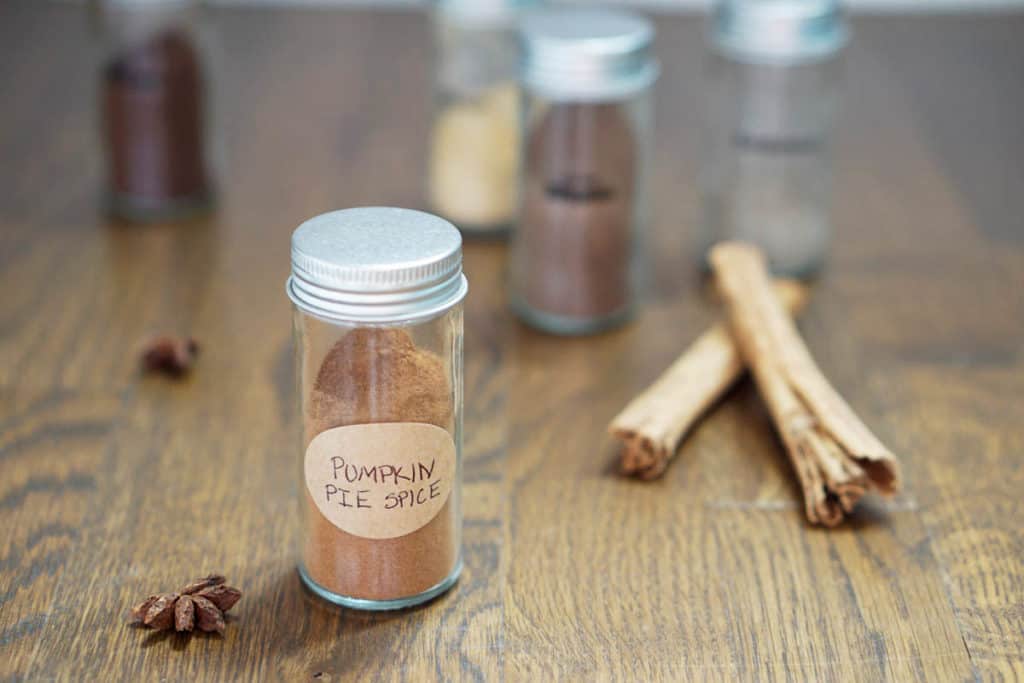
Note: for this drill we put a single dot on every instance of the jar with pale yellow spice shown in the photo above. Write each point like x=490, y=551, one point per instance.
x=474, y=152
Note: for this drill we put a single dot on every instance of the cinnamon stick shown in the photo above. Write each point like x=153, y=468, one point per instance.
x=654, y=423
x=836, y=457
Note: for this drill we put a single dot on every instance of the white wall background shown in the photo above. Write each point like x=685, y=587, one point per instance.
x=683, y=5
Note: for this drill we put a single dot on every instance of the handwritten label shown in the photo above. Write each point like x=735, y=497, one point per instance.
x=381, y=480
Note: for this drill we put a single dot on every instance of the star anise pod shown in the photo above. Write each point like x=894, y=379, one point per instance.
x=172, y=356
x=199, y=604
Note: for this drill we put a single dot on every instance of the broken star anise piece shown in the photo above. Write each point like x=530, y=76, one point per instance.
x=199, y=604
x=172, y=356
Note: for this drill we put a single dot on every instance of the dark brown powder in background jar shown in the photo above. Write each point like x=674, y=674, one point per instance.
x=576, y=226
x=374, y=375
x=153, y=122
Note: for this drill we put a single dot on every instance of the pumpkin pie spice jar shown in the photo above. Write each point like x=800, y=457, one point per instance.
x=377, y=296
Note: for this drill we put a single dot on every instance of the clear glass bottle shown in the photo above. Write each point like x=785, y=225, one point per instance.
x=772, y=82
x=474, y=153
x=155, y=110
x=587, y=76
x=377, y=296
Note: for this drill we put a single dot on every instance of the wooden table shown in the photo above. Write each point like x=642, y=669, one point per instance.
x=113, y=485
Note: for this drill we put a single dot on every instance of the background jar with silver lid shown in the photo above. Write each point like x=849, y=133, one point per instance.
x=772, y=86
x=377, y=296
x=474, y=154
x=155, y=103
x=587, y=76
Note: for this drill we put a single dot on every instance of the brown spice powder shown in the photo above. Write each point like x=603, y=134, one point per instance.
x=374, y=375
x=577, y=212
x=153, y=116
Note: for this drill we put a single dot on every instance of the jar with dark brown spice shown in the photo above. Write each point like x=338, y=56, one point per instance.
x=586, y=75
x=155, y=109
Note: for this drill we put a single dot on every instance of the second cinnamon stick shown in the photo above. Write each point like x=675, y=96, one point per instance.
x=836, y=457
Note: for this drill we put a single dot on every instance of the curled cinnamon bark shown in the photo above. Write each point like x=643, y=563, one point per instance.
x=836, y=457
x=654, y=423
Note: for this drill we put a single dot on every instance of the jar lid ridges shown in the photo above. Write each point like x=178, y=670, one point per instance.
x=376, y=263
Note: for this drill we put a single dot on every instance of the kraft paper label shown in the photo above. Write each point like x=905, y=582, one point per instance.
x=381, y=480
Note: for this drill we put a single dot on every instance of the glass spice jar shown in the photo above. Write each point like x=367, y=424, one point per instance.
x=587, y=77
x=377, y=296
x=155, y=109
x=474, y=153
x=772, y=86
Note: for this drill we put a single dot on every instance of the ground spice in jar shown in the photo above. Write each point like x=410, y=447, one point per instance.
x=576, y=225
x=153, y=123
x=377, y=375
x=475, y=158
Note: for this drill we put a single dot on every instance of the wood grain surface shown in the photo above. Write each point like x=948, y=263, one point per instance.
x=114, y=485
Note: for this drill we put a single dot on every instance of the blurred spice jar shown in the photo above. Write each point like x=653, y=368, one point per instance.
x=154, y=107
x=773, y=80
x=474, y=154
x=587, y=76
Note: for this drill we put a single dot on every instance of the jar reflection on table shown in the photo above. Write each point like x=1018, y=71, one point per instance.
x=474, y=154
x=772, y=85
x=155, y=89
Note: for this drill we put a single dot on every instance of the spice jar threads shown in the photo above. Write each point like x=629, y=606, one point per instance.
x=772, y=86
x=154, y=90
x=587, y=76
x=474, y=153
x=377, y=296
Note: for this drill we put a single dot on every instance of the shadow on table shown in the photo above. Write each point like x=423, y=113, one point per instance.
x=310, y=632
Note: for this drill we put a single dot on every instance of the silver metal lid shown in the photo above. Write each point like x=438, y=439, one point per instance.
x=587, y=54
x=376, y=264
x=778, y=31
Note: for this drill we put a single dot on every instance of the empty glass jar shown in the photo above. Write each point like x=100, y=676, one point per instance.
x=155, y=108
x=474, y=155
x=587, y=76
x=772, y=85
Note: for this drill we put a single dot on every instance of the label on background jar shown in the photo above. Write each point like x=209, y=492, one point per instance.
x=381, y=480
